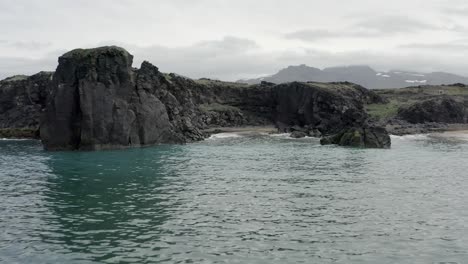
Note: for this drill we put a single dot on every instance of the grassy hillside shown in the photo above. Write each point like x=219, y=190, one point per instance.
x=406, y=96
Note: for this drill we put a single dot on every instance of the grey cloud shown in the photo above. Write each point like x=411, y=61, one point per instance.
x=460, y=11
x=233, y=58
x=320, y=34
x=18, y=65
x=31, y=45
x=224, y=59
x=445, y=47
x=246, y=61
x=394, y=24
x=312, y=34
x=365, y=28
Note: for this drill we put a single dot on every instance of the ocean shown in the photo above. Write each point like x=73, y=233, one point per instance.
x=237, y=198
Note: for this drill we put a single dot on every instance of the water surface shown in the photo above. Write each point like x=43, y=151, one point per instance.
x=237, y=199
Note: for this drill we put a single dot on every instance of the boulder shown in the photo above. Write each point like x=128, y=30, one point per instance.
x=370, y=137
x=298, y=134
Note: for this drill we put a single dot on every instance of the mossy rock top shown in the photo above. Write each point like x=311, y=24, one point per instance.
x=108, y=50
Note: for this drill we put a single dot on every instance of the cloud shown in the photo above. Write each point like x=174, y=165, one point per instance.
x=460, y=11
x=233, y=58
x=320, y=34
x=365, y=28
x=454, y=46
x=22, y=65
x=245, y=59
x=446, y=47
x=393, y=25
x=227, y=58
x=30, y=44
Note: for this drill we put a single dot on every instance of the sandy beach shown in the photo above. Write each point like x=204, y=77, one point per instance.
x=240, y=130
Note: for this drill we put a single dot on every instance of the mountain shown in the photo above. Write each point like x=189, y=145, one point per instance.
x=362, y=75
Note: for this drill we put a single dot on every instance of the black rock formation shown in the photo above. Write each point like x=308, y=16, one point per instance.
x=363, y=137
x=22, y=98
x=436, y=110
x=96, y=100
x=99, y=102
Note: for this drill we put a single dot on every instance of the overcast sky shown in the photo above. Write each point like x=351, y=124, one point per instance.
x=232, y=39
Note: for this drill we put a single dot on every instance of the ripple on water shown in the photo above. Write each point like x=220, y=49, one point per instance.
x=240, y=199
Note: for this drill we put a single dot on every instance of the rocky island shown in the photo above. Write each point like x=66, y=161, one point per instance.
x=96, y=100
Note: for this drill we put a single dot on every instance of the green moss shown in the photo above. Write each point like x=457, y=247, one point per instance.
x=357, y=134
x=351, y=138
x=81, y=53
x=19, y=133
x=429, y=90
x=384, y=110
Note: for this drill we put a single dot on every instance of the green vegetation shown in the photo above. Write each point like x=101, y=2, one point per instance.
x=215, y=107
x=16, y=78
x=429, y=90
x=82, y=53
x=209, y=82
x=384, y=110
x=332, y=86
x=19, y=133
x=407, y=96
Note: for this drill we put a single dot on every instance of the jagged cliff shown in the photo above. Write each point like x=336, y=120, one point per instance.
x=96, y=100
x=22, y=99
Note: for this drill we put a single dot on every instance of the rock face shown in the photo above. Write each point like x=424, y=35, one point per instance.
x=328, y=108
x=298, y=134
x=22, y=98
x=437, y=110
x=98, y=101
x=370, y=137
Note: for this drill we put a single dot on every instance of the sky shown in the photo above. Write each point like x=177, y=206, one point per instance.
x=235, y=39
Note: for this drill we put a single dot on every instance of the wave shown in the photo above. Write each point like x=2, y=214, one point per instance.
x=288, y=136
x=457, y=136
x=411, y=137
x=14, y=139
x=224, y=135
x=282, y=135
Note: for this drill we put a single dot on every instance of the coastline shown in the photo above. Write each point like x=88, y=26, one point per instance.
x=425, y=128
x=243, y=129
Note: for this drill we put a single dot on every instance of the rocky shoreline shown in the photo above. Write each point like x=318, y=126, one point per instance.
x=97, y=100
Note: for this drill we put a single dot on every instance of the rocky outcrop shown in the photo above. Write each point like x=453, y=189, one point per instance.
x=22, y=98
x=298, y=134
x=327, y=107
x=369, y=137
x=436, y=110
x=98, y=101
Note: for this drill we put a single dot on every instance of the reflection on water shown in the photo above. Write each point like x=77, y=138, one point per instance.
x=239, y=199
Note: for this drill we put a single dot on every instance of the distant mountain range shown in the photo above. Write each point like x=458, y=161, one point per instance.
x=362, y=75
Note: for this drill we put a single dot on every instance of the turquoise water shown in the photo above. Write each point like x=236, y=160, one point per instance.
x=237, y=199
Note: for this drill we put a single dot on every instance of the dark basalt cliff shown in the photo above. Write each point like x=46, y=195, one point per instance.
x=96, y=100
x=421, y=109
x=22, y=98
x=99, y=102
x=437, y=110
